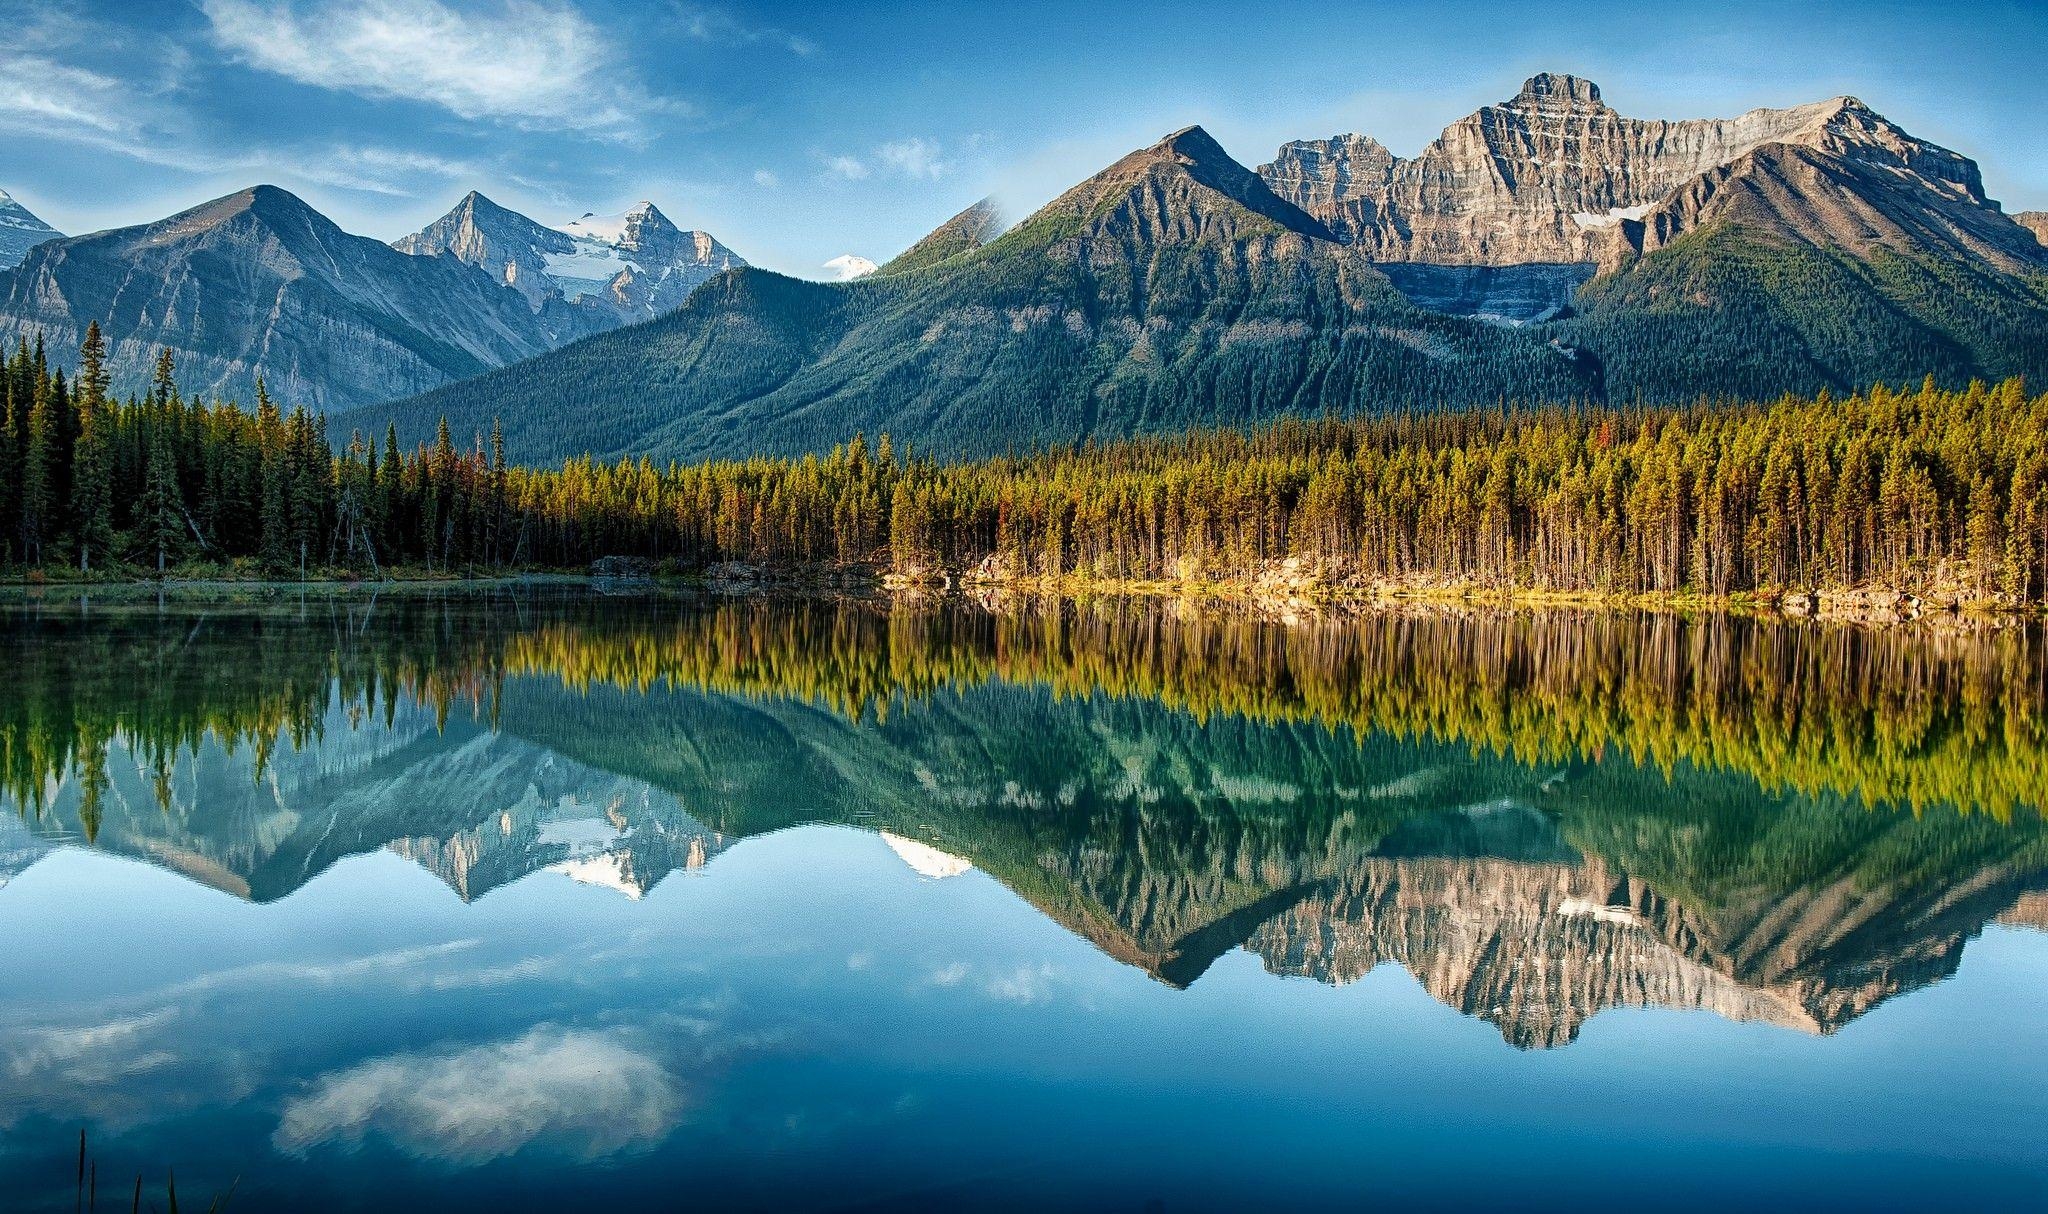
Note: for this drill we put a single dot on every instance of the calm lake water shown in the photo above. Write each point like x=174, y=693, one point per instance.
x=550, y=899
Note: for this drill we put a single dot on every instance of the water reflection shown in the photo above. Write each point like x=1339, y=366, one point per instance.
x=1538, y=816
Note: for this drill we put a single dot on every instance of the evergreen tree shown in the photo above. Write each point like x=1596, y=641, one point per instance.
x=92, y=502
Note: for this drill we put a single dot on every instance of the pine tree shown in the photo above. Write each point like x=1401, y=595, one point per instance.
x=41, y=489
x=161, y=513
x=274, y=480
x=92, y=500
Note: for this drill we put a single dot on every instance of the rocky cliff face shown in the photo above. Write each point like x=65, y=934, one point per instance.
x=2035, y=222
x=260, y=285
x=1554, y=175
x=20, y=231
x=1534, y=949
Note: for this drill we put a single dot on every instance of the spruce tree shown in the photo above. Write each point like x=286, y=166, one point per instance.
x=92, y=494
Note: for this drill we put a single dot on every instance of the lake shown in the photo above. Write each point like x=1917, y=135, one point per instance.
x=540, y=897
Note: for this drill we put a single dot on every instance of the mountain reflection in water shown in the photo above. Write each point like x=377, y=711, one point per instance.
x=1537, y=815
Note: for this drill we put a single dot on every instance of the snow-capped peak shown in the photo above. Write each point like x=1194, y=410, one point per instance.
x=848, y=266
x=615, y=230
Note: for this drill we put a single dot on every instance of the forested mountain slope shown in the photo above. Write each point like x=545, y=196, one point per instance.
x=1172, y=289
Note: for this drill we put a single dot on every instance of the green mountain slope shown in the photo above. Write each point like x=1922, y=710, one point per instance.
x=1739, y=310
x=1173, y=289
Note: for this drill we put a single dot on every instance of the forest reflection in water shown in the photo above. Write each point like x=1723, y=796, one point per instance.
x=1540, y=814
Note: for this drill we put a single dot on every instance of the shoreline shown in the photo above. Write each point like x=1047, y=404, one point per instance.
x=1267, y=595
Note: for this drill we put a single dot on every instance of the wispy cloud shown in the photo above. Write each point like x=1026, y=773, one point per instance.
x=520, y=61
x=767, y=180
x=708, y=24
x=920, y=159
x=914, y=158
x=852, y=168
x=146, y=122
x=582, y=1091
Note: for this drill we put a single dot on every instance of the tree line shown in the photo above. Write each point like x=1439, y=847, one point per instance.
x=1901, y=487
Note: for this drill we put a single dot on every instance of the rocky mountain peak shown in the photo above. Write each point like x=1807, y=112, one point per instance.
x=1553, y=176
x=258, y=283
x=1550, y=87
x=1183, y=187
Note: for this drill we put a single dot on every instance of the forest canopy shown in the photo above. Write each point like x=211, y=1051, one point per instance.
x=1896, y=487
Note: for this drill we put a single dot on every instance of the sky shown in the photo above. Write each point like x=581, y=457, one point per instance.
x=796, y=133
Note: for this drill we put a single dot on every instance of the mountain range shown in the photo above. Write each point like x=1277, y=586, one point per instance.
x=1532, y=899
x=1546, y=248
x=259, y=285
x=616, y=268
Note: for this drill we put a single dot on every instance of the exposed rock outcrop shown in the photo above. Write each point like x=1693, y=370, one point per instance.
x=1554, y=175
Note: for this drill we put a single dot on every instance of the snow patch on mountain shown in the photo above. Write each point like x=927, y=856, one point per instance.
x=848, y=266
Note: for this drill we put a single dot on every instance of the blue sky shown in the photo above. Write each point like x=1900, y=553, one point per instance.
x=795, y=133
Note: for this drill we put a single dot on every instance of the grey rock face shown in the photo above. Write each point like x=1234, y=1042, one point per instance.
x=593, y=273
x=1554, y=175
x=20, y=231
x=2035, y=222
x=258, y=284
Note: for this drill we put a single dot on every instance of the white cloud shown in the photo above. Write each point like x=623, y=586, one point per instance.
x=580, y=1091
x=846, y=166
x=40, y=90
x=1025, y=984
x=914, y=158
x=525, y=61
x=707, y=24
x=43, y=98
x=949, y=975
x=767, y=180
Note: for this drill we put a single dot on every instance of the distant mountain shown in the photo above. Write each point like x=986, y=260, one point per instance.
x=615, y=269
x=1555, y=175
x=2035, y=222
x=1817, y=246
x=258, y=284
x=848, y=266
x=1546, y=248
x=1172, y=289
x=20, y=231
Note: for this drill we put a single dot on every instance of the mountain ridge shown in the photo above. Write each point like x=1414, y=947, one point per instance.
x=20, y=231
x=258, y=284
x=595, y=272
x=1148, y=296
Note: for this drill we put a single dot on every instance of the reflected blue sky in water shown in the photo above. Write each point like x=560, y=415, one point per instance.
x=808, y=1008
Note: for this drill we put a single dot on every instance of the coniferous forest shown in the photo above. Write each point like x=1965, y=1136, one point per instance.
x=1896, y=487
